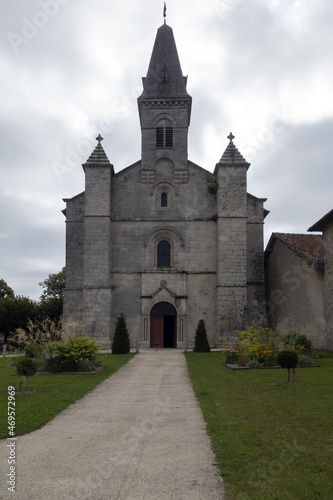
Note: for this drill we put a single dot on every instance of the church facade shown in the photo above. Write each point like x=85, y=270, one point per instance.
x=165, y=241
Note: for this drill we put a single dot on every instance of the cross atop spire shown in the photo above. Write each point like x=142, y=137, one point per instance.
x=99, y=139
x=231, y=137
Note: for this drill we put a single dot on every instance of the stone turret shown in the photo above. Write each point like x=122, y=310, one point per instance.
x=97, y=246
x=231, y=172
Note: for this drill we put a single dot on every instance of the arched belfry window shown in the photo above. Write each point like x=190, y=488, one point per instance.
x=164, y=134
x=164, y=199
x=163, y=254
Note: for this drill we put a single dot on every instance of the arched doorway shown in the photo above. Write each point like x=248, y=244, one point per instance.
x=163, y=325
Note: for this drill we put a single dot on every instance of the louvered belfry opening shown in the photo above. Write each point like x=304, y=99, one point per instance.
x=164, y=137
x=159, y=137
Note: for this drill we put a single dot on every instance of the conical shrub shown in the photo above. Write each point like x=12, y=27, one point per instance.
x=121, y=342
x=201, y=343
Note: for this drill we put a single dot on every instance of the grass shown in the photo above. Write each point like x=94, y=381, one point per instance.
x=272, y=440
x=55, y=393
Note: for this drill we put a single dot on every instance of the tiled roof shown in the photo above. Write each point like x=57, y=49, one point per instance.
x=307, y=246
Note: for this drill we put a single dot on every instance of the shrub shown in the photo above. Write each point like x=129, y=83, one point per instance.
x=304, y=361
x=304, y=341
x=31, y=350
x=26, y=367
x=296, y=341
x=78, y=348
x=121, y=342
x=84, y=365
x=38, y=332
x=201, y=343
x=254, y=363
x=288, y=359
x=231, y=355
x=243, y=359
x=67, y=365
x=260, y=343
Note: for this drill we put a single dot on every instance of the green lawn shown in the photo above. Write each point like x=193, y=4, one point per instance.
x=272, y=440
x=55, y=393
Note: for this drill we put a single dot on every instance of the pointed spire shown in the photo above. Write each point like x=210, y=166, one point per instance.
x=164, y=63
x=98, y=156
x=231, y=155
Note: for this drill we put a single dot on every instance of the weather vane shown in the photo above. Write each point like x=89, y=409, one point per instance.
x=164, y=12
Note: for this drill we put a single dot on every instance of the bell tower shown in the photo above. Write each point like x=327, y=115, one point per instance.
x=164, y=105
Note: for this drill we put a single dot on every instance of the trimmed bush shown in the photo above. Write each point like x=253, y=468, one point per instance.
x=288, y=359
x=121, y=342
x=26, y=367
x=201, y=343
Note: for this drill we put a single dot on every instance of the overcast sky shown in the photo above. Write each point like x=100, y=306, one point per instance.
x=72, y=68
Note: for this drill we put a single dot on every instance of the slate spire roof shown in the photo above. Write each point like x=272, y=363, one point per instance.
x=98, y=156
x=164, y=77
x=231, y=155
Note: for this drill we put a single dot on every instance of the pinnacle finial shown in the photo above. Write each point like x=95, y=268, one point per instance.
x=164, y=12
x=231, y=137
x=99, y=138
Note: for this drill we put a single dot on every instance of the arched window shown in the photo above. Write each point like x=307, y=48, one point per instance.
x=164, y=200
x=164, y=134
x=163, y=254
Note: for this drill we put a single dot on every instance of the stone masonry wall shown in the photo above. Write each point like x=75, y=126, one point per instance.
x=328, y=280
x=295, y=294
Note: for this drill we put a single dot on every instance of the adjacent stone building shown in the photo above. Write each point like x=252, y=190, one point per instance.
x=295, y=285
x=165, y=241
x=325, y=225
x=299, y=282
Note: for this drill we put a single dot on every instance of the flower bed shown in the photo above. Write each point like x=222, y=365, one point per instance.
x=259, y=348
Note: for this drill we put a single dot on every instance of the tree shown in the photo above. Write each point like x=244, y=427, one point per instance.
x=15, y=313
x=201, y=343
x=288, y=359
x=5, y=290
x=54, y=285
x=121, y=342
x=52, y=298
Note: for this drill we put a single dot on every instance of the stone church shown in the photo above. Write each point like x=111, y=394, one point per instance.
x=165, y=241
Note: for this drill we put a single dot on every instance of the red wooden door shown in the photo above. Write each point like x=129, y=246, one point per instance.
x=156, y=331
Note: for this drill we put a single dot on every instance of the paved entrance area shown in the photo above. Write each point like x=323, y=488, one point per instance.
x=140, y=435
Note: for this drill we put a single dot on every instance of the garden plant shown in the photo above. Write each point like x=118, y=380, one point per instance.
x=121, y=342
x=26, y=367
x=201, y=343
x=288, y=359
